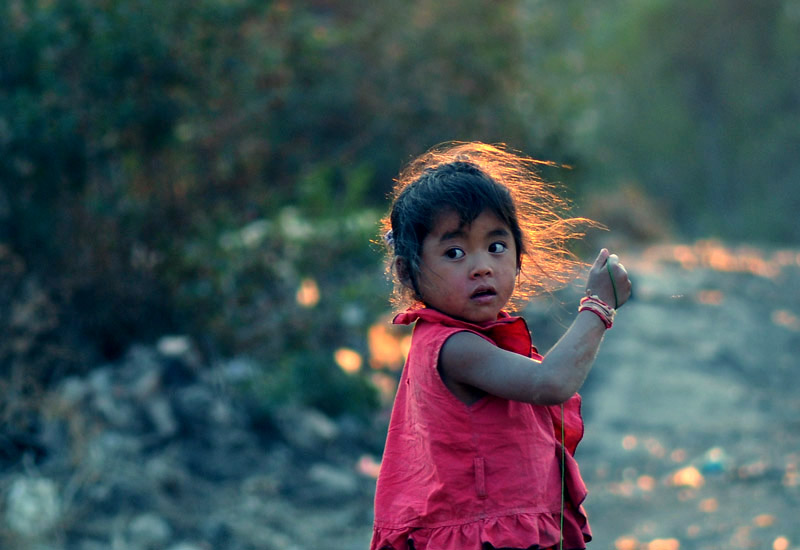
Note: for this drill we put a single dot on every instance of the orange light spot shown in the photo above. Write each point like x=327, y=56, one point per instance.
x=720, y=259
x=685, y=256
x=754, y=469
x=710, y=297
x=791, y=478
x=348, y=360
x=664, y=544
x=741, y=537
x=368, y=466
x=785, y=318
x=678, y=455
x=655, y=448
x=709, y=505
x=629, y=442
x=626, y=543
x=386, y=385
x=693, y=530
x=780, y=543
x=623, y=488
x=688, y=477
x=716, y=454
x=385, y=349
x=308, y=293
x=714, y=255
x=405, y=345
x=646, y=483
x=764, y=520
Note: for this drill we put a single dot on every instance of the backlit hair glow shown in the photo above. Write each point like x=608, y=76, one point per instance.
x=468, y=178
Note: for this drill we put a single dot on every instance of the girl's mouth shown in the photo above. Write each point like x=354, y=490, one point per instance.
x=483, y=294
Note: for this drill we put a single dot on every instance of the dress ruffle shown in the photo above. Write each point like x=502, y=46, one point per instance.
x=524, y=530
x=519, y=530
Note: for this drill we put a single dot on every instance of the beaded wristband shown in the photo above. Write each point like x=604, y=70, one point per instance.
x=597, y=306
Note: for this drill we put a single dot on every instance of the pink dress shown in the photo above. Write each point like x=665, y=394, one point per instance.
x=456, y=476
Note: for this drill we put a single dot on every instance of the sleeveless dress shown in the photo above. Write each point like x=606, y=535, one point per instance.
x=463, y=477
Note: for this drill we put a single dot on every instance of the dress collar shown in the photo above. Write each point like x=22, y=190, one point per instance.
x=508, y=332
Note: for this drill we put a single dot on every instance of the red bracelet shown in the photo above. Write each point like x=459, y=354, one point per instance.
x=600, y=308
x=606, y=321
x=596, y=299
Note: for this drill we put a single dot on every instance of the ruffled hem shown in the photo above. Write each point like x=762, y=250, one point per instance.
x=523, y=530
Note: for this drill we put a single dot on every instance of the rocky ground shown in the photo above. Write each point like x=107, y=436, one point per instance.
x=692, y=441
x=693, y=409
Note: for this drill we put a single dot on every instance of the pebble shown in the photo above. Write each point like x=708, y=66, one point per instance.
x=33, y=506
x=149, y=532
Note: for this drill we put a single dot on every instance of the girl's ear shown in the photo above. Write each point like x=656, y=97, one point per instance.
x=401, y=267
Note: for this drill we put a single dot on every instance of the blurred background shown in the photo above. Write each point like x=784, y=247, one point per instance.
x=196, y=350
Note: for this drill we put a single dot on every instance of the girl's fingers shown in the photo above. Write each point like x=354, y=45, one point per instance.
x=609, y=278
x=601, y=259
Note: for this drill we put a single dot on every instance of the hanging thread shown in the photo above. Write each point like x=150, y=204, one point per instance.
x=563, y=466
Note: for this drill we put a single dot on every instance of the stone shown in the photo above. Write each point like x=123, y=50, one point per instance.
x=160, y=413
x=306, y=428
x=185, y=546
x=333, y=480
x=33, y=507
x=71, y=392
x=149, y=532
x=174, y=346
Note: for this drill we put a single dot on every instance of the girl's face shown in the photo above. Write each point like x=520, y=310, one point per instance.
x=468, y=272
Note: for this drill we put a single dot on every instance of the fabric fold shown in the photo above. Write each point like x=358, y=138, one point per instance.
x=457, y=476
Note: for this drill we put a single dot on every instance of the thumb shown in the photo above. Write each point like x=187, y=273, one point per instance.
x=601, y=259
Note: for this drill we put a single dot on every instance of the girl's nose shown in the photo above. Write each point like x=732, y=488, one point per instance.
x=481, y=268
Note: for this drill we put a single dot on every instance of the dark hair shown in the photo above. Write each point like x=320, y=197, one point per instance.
x=468, y=179
x=460, y=187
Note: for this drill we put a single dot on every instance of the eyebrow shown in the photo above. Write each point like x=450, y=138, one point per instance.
x=499, y=232
x=450, y=235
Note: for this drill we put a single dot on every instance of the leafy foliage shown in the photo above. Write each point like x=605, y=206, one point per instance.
x=186, y=166
x=699, y=106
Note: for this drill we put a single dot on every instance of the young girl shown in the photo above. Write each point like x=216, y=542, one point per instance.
x=479, y=453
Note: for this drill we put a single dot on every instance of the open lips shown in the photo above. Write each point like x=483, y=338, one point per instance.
x=483, y=291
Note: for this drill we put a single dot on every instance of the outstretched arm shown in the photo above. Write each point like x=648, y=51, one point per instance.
x=469, y=360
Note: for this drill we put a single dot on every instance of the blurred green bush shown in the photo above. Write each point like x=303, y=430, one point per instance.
x=190, y=166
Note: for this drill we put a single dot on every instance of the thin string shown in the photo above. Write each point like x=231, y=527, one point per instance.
x=613, y=285
x=563, y=466
x=563, y=442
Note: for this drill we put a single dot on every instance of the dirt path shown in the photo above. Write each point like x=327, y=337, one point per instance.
x=693, y=410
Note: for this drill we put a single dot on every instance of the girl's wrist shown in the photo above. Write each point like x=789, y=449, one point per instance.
x=597, y=306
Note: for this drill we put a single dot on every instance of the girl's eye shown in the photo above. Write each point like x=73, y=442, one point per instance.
x=497, y=248
x=454, y=253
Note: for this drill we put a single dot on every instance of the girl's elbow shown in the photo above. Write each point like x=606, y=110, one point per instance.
x=562, y=395
x=554, y=393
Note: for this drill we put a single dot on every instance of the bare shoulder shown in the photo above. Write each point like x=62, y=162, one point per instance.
x=465, y=349
x=468, y=360
x=456, y=363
